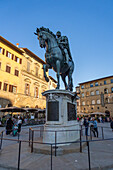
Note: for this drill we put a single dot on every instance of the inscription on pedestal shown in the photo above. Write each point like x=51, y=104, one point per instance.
x=53, y=111
x=71, y=111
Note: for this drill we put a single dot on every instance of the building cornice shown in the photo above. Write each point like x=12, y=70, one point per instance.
x=6, y=42
x=33, y=55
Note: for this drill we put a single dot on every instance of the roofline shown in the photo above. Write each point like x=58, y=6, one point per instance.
x=10, y=44
x=33, y=55
x=52, y=79
x=95, y=80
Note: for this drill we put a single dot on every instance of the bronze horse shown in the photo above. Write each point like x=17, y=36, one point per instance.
x=54, y=58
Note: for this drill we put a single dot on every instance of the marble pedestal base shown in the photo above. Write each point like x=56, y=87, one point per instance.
x=61, y=125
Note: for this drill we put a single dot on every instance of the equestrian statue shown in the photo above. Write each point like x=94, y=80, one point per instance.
x=57, y=57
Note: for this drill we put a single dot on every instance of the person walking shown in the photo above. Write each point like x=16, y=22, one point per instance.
x=95, y=127
x=111, y=124
x=86, y=124
x=9, y=126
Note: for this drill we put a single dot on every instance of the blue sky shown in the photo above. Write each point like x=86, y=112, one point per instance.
x=87, y=23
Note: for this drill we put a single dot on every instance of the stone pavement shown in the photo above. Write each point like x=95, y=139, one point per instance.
x=101, y=155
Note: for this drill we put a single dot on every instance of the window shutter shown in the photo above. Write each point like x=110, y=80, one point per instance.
x=12, y=56
x=3, y=51
x=7, y=53
x=0, y=85
x=15, y=58
x=20, y=61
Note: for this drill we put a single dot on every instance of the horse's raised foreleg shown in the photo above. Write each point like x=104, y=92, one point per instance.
x=58, y=74
x=45, y=69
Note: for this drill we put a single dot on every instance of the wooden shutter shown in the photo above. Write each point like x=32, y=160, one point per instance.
x=20, y=61
x=15, y=58
x=12, y=56
x=7, y=53
x=0, y=85
x=3, y=51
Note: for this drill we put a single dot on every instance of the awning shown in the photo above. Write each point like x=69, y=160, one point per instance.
x=12, y=109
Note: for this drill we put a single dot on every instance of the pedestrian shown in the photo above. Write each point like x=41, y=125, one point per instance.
x=86, y=124
x=111, y=124
x=19, y=124
x=9, y=126
x=95, y=127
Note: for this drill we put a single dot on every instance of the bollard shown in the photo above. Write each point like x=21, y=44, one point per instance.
x=32, y=141
x=80, y=140
x=51, y=156
x=55, y=142
x=90, y=133
x=1, y=140
x=19, y=155
x=88, y=155
x=102, y=133
x=29, y=136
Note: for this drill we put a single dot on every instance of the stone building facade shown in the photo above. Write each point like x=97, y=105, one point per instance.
x=96, y=96
x=21, y=77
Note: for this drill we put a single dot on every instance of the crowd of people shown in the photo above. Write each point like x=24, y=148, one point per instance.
x=13, y=125
x=92, y=123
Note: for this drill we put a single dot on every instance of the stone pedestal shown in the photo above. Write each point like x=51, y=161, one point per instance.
x=61, y=125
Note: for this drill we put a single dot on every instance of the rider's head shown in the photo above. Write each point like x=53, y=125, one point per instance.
x=58, y=34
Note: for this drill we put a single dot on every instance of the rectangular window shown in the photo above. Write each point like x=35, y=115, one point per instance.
x=16, y=59
x=8, y=69
x=111, y=80
x=36, y=71
x=12, y=89
x=91, y=85
x=96, y=84
x=9, y=55
x=82, y=87
x=36, y=92
x=105, y=82
x=28, y=66
x=5, y=86
x=0, y=85
x=16, y=72
x=0, y=50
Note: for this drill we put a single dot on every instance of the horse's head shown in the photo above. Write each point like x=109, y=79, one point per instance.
x=45, y=36
x=41, y=37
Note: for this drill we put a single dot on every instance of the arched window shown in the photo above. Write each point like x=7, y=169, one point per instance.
x=98, y=101
x=83, y=103
x=92, y=93
x=112, y=90
x=93, y=102
x=97, y=92
x=106, y=100
x=106, y=91
x=82, y=94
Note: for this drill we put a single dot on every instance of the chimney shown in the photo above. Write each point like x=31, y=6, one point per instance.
x=17, y=44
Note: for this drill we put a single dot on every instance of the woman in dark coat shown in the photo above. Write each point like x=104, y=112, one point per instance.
x=9, y=126
x=111, y=124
